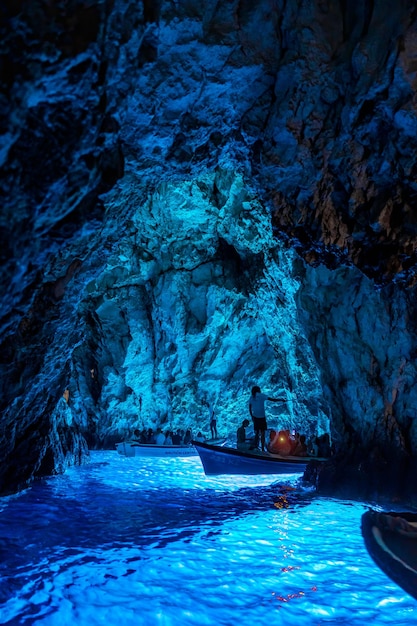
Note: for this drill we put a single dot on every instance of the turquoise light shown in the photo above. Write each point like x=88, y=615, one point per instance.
x=138, y=542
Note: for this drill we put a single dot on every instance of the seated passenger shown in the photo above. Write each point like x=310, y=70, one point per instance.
x=294, y=440
x=313, y=449
x=200, y=437
x=160, y=437
x=241, y=441
x=187, y=437
x=150, y=436
x=176, y=438
x=136, y=435
x=300, y=448
x=323, y=443
x=272, y=437
x=168, y=439
x=281, y=443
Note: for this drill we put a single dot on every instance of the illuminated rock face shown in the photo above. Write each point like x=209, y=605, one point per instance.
x=196, y=198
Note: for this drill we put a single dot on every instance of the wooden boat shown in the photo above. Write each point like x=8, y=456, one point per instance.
x=224, y=460
x=391, y=540
x=133, y=448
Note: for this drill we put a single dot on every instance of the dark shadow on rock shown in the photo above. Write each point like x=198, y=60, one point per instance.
x=372, y=474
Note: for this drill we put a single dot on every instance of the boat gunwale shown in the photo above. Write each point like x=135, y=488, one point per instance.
x=153, y=446
x=291, y=460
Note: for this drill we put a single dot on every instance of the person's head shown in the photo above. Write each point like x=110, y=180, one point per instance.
x=256, y=390
x=245, y=423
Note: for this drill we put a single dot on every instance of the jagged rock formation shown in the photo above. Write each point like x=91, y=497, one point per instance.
x=197, y=197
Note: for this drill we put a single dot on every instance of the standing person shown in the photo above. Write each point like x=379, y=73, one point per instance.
x=257, y=413
x=213, y=423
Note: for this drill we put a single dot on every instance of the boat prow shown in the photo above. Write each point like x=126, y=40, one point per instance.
x=133, y=448
x=224, y=460
x=391, y=540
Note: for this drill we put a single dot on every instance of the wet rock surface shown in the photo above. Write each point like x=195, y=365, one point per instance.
x=197, y=198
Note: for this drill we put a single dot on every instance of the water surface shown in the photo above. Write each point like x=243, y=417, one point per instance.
x=156, y=542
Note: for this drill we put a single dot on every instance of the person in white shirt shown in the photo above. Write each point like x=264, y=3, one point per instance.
x=257, y=412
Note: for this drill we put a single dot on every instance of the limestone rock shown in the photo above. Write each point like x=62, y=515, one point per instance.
x=196, y=198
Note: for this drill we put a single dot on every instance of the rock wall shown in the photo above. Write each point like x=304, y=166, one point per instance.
x=196, y=198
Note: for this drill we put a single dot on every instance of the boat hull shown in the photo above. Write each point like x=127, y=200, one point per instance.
x=222, y=460
x=393, y=550
x=132, y=448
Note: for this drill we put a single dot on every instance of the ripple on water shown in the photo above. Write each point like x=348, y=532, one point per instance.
x=122, y=541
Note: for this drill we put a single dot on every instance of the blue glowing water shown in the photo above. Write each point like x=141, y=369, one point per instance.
x=156, y=542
